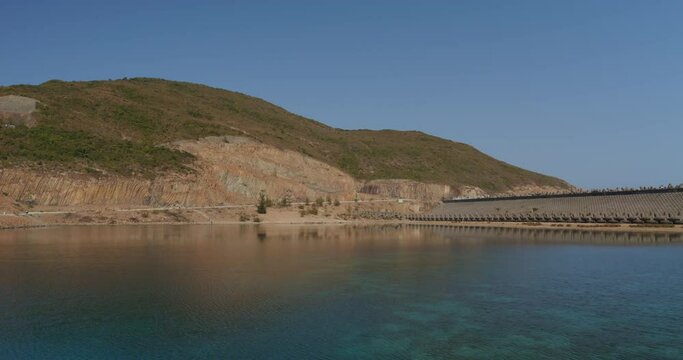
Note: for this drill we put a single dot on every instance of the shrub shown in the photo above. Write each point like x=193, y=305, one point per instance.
x=262, y=204
x=53, y=146
x=284, y=202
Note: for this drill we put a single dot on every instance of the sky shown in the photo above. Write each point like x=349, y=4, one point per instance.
x=588, y=91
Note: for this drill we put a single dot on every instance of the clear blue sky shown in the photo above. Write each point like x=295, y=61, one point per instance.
x=590, y=91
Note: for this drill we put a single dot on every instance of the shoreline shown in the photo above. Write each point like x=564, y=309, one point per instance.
x=623, y=228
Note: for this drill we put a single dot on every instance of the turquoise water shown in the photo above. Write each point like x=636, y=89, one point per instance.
x=289, y=292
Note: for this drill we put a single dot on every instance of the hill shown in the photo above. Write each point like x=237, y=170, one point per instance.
x=118, y=126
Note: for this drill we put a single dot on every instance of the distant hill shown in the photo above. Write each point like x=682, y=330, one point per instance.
x=118, y=125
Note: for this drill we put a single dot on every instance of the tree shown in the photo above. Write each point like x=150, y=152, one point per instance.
x=284, y=202
x=262, y=205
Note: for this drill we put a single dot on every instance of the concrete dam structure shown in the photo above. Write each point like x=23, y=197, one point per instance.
x=652, y=206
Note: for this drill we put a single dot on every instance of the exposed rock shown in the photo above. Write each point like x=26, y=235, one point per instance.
x=475, y=192
x=405, y=189
x=536, y=189
x=17, y=111
x=8, y=205
x=228, y=170
x=471, y=192
x=245, y=167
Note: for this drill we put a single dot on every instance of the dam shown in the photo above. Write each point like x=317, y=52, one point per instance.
x=646, y=206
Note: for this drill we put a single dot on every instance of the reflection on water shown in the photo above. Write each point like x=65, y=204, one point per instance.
x=545, y=236
x=339, y=292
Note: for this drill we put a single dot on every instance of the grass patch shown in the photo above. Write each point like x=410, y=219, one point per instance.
x=48, y=146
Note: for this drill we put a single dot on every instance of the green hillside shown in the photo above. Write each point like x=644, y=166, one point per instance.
x=118, y=125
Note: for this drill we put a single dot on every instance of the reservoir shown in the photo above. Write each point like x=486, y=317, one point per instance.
x=338, y=292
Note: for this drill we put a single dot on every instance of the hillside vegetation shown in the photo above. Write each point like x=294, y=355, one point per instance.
x=118, y=126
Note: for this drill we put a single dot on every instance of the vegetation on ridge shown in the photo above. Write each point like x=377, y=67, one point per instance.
x=45, y=146
x=118, y=126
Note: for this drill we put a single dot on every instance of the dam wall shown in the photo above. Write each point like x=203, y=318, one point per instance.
x=658, y=206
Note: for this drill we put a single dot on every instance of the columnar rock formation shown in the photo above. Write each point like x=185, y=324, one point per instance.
x=229, y=170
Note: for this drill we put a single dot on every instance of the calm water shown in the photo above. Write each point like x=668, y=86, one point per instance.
x=247, y=292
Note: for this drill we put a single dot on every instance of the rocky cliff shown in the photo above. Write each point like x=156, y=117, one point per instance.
x=228, y=170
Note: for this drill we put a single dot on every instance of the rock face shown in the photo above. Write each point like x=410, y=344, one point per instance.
x=470, y=192
x=17, y=110
x=229, y=170
x=244, y=167
x=67, y=189
x=7, y=205
x=405, y=189
x=408, y=189
x=536, y=189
